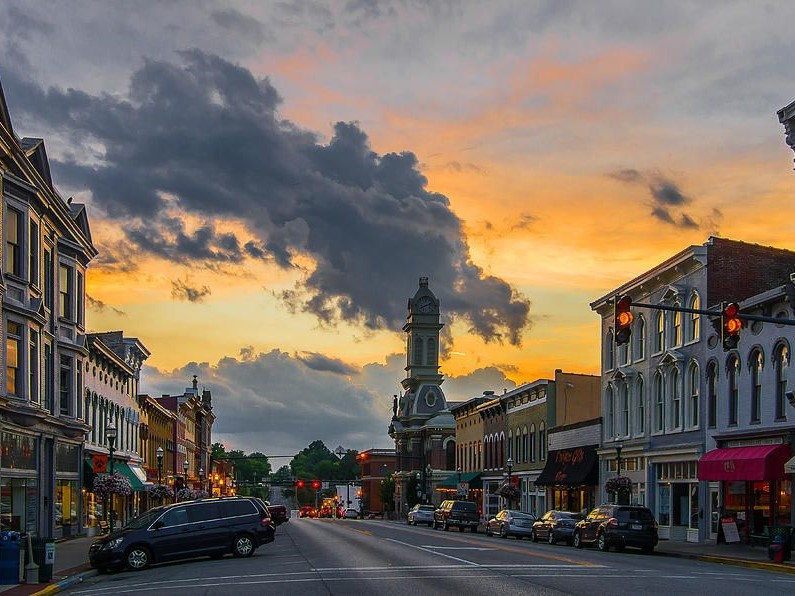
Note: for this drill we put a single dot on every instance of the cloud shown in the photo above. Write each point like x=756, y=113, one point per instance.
x=240, y=25
x=183, y=291
x=203, y=139
x=319, y=362
x=100, y=306
x=473, y=384
x=665, y=194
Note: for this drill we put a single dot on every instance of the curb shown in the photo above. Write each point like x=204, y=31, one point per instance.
x=750, y=564
x=67, y=582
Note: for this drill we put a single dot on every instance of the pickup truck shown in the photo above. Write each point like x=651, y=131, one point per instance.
x=462, y=514
x=278, y=513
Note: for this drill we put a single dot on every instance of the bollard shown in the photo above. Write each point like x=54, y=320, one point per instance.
x=31, y=569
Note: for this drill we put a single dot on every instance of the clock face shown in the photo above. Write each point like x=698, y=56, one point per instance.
x=425, y=304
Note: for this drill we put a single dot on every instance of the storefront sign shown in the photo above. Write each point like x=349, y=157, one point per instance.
x=100, y=463
x=729, y=527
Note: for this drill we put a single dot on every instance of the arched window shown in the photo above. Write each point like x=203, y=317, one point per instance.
x=756, y=385
x=610, y=352
x=640, y=400
x=478, y=456
x=532, y=442
x=694, y=320
x=517, y=446
x=712, y=395
x=733, y=371
x=450, y=456
x=659, y=335
x=782, y=363
x=640, y=338
x=609, y=414
x=510, y=444
x=542, y=441
x=524, y=444
x=418, y=351
x=694, y=385
x=659, y=403
x=676, y=400
x=431, y=361
x=625, y=425
x=676, y=340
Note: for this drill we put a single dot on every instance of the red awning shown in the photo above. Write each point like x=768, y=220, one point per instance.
x=759, y=462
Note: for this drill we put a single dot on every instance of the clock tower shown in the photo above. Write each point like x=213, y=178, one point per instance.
x=422, y=339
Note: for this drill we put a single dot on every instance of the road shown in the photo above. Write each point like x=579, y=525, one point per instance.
x=346, y=557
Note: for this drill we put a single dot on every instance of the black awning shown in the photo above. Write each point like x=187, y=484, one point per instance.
x=575, y=466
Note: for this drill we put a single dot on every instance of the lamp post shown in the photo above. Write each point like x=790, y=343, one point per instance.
x=201, y=478
x=458, y=488
x=159, y=456
x=185, y=466
x=619, y=447
x=428, y=483
x=110, y=435
x=509, y=467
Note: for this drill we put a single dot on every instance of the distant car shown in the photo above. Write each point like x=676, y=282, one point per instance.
x=421, y=514
x=509, y=522
x=351, y=513
x=555, y=526
x=619, y=526
x=461, y=514
x=278, y=513
x=307, y=511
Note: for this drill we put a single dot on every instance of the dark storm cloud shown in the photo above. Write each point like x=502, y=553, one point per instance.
x=320, y=362
x=99, y=306
x=240, y=25
x=662, y=214
x=666, y=192
x=205, y=137
x=665, y=195
x=184, y=291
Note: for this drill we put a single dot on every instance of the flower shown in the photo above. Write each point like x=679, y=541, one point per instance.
x=112, y=484
x=160, y=491
x=185, y=494
x=618, y=484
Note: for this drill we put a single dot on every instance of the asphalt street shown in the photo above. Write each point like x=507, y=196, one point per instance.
x=344, y=557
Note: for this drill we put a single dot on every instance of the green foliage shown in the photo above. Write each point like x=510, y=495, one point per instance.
x=217, y=451
x=387, y=490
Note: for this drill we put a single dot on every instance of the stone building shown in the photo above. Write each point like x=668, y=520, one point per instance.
x=422, y=426
x=47, y=248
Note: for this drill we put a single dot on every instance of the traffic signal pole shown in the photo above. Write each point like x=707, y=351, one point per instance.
x=716, y=313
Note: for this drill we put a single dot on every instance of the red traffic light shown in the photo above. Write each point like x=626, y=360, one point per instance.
x=299, y=484
x=623, y=317
x=316, y=484
x=730, y=331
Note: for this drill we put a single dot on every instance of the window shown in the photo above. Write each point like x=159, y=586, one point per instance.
x=532, y=442
x=625, y=427
x=48, y=378
x=175, y=517
x=542, y=441
x=33, y=367
x=659, y=336
x=510, y=444
x=640, y=338
x=517, y=442
x=659, y=403
x=609, y=414
x=734, y=388
x=693, y=384
x=524, y=445
x=641, y=401
x=80, y=299
x=782, y=363
x=65, y=289
x=13, y=345
x=610, y=351
x=33, y=270
x=694, y=320
x=623, y=354
x=65, y=386
x=676, y=340
x=14, y=233
x=676, y=400
x=48, y=289
x=756, y=386
x=712, y=395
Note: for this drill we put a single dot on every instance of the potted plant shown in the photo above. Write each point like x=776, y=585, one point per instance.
x=160, y=491
x=112, y=484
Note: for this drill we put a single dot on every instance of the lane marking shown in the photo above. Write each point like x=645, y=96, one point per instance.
x=457, y=547
x=427, y=550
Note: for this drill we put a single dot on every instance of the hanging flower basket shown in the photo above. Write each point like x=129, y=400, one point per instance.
x=160, y=491
x=509, y=491
x=185, y=494
x=112, y=484
x=618, y=484
x=200, y=494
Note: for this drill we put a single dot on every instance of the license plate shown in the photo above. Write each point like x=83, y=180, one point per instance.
x=636, y=527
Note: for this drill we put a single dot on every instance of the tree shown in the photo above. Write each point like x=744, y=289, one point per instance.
x=388, y=493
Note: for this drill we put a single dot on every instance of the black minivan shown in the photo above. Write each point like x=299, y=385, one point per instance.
x=207, y=527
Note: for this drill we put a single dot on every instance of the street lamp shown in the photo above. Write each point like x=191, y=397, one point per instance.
x=110, y=435
x=185, y=466
x=619, y=447
x=509, y=467
x=428, y=483
x=459, y=470
x=159, y=455
x=201, y=478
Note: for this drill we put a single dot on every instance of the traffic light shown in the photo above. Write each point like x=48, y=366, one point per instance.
x=316, y=484
x=731, y=325
x=623, y=317
x=299, y=484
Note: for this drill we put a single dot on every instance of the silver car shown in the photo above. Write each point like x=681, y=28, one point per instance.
x=509, y=522
x=421, y=514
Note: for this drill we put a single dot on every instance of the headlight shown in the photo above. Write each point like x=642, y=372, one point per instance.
x=111, y=544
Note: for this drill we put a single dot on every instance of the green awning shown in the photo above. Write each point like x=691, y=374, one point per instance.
x=125, y=470
x=471, y=479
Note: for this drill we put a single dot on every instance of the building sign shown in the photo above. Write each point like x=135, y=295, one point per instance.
x=729, y=527
x=100, y=463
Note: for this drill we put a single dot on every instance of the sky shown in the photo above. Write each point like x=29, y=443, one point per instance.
x=266, y=182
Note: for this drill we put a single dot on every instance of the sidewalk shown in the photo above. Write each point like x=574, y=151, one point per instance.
x=741, y=555
x=71, y=565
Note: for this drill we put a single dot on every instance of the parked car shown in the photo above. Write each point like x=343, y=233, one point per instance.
x=214, y=527
x=556, y=526
x=307, y=511
x=509, y=522
x=278, y=513
x=351, y=513
x=421, y=514
x=462, y=514
x=618, y=526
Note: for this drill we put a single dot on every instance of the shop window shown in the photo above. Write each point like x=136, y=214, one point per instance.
x=19, y=499
x=66, y=497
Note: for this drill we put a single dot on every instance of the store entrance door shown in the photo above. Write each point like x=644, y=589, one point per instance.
x=714, y=511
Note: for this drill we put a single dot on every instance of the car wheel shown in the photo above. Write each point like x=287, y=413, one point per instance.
x=551, y=537
x=601, y=542
x=533, y=536
x=138, y=557
x=577, y=540
x=503, y=532
x=243, y=546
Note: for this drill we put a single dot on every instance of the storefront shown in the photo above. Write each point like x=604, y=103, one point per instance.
x=677, y=508
x=66, y=503
x=571, y=477
x=534, y=496
x=466, y=486
x=19, y=485
x=754, y=487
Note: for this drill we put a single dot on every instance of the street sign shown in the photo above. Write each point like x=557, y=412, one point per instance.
x=462, y=488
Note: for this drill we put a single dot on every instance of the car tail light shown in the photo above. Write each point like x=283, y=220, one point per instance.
x=612, y=522
x=266, y=521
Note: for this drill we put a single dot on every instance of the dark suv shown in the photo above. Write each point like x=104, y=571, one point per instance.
x=183, y=530
x=463, y=514
x=618, y=526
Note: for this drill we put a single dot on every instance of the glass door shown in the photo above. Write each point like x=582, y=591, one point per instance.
x=714, y=511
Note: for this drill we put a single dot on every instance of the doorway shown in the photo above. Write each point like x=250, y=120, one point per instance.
x=714, y=512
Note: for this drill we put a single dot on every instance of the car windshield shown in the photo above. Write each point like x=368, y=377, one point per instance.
x=643, y=515
x=465, y=505
x=520, y=514
x=427, y=508
x=568, y=515
x=144, y=520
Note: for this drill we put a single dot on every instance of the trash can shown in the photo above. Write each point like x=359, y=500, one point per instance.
x=44, y=557
x=781, y=536
x=10, y=567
